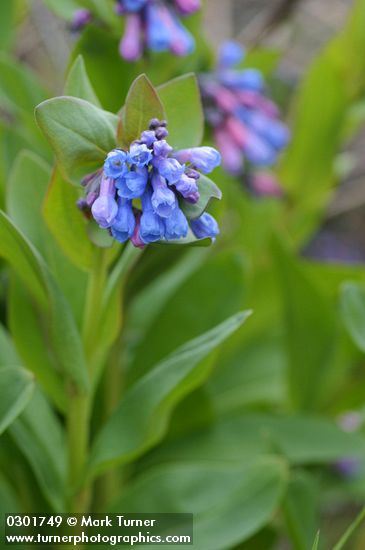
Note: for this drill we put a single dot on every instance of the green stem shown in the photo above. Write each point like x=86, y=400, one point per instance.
x=350, y=530
x=80, y=404
x=94, y=299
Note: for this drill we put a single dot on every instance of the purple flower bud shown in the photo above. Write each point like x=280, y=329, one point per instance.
x=91, y=198
x=131, y=46
x=133, y=184
x=162, y=148
x=348, y=467
x=182, y=42
x=163, y=199
x=115, y=164
x=187, y=186
x=169, y=168
x=80, y=19
x=136, y=239
x=187, y=7
x=204, y=159
x=230, y=53
x=148, y=137
x=161, y=133
x=191, y=173
x=204, y=226
x=176, y=225
x=124, y=223
x=139, y=154
x=105, y=208
x=151, y=225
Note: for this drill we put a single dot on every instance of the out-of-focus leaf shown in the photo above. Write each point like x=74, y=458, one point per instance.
x=143, y=413
x=230, y=502
x=349, y=531
x=208, y=191
x=33, y=272
x=16, y=388
x=78, y=83
x=65, y=9
x=8, y=354
x=263, y=59
x=105, y=66
x=66, y=222
x=182, y=103
x=311, y=332
x=26, y=187
x=6, y=24
x=353, y=312
x=142, y=104
x=301, y=509
x=38, y=434
x=302, y=440
x=200, y=303
x=81, y=134
x=28, y=333
x=316, y=542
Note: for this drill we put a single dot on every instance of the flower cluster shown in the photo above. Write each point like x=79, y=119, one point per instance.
x=150, y=24
x=139, y=194
x=245, y=121
x=155, y=25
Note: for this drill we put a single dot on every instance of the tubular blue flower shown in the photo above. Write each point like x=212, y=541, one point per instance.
x=182, y=42
x=204, y=159
x=133, y=184
x=169, y=168
x=115, y=164
x=132, y=5
x=105, y=208
x=163, y=199
x=176, y=225
x=151, y=225
x=124, y=223
x=187, y=187
x=139, y=154
x=230, y=53
x=131, y=45
x=158, y=34
x=205, y=226
x=276, y=133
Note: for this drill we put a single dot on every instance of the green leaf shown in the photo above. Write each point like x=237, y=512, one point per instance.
x=27, y=330
x=263, y=59
x=16, y=388
x=66, y=222
x=353, y=312
x=184, y=112
x=33, y=272
x=300, y=439
x=143, y=414
x=80, y=134
x=142, y=104
x=301, y=507
x=208, y=191
x=78, y=83
x=65, y=9
x=6, y=24
x=39, y=435
x=311, y=332
x=98, y=236
x=230, y=502
x=349, y=531
x=25, y=191
x=316, y=542
x=8, y=355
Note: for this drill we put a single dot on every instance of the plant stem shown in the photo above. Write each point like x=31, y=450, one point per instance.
x=80, y=403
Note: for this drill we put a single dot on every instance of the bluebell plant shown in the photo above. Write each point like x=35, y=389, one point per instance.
x=139, y=194
x=150, y=25
x=246, y=123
